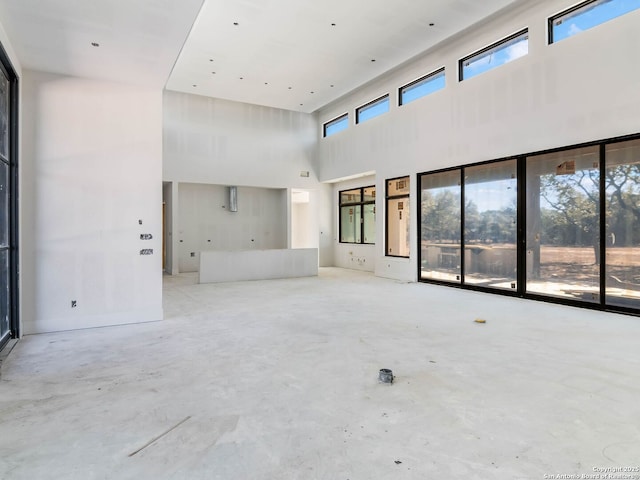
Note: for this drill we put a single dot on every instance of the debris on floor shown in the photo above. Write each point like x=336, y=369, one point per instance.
x=385, y=376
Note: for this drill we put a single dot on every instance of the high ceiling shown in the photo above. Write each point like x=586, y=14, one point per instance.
x=291, y=54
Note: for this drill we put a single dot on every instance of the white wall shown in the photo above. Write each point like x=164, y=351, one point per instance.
x=581, y=89
x=209, y=140
x=92, y=156
x=217, y=142
x=205, y=222
x=167, y=227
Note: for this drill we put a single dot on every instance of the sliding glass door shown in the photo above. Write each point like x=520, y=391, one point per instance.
x=563, y=224
x=622, y=196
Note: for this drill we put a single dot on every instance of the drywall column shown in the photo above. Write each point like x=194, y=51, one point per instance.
x=174, y=222
x=96, y=158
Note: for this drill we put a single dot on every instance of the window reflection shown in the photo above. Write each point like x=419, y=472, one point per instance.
x=623, y=224
x=563, y=249
x=440, y=232
x=490, y=220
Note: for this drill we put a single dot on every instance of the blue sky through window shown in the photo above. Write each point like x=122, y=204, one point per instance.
x=373, y=110
x=421, y=88
x=589, y=16
x=494, y=57
x=337, y=125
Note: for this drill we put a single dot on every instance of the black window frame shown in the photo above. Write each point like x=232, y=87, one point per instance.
x=521, y=291
x=424, y=78
x=551, y=20
x=524, y=31
x=334, y=121
x=360, y=203
x=12, y=161
x=389, y=197
x=369, y=104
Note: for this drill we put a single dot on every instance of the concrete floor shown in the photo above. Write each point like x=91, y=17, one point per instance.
x=278, y=380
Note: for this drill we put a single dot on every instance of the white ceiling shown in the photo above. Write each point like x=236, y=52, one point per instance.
x=291, y=54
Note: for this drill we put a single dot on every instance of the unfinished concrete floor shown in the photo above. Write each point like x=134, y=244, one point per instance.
x=278, y=380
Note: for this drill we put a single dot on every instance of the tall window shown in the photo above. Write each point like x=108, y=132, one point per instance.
x=587, y=15
x=8, y=205
x=490, y=224
x=563, y=224
x=495, y=55
x=622, y=241
x=440, y=238
x=398, y=217
x=358, y=215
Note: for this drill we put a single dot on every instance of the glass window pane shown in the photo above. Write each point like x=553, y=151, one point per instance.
x=440, y=226
x=4, y=116
x=623, y=224
x=373, y=109
x=490, y=225
x=4, y=204
x=562, y=244
x=4, y=292
x=495, y=56
x=336, y=125
x=398, y=186
x=350, y=196
x=369, y=194
x=350, y=224
x=588, y=16
x=420, y=88
x=369, y=215
x=398, y=224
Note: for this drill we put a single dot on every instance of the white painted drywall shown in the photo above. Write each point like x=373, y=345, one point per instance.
x=241, y=265
x=167, y=200
x=93, y=153
x=206, y=223
x=218, y=142
x=326, y=224
x=581, y=89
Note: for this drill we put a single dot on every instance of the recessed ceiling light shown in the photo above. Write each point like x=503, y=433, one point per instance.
x=95, y=44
